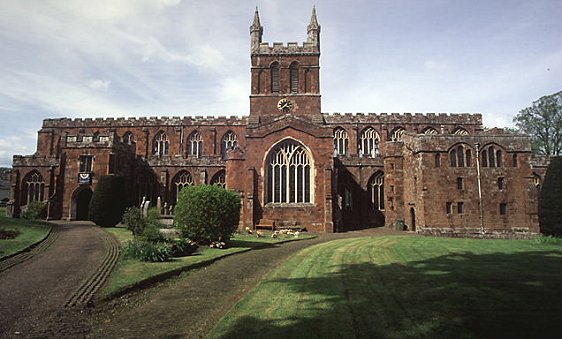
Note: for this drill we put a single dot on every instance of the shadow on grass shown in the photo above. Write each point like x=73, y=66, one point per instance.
x=464, y=295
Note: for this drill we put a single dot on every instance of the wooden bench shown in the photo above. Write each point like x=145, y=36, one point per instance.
x=266, y=223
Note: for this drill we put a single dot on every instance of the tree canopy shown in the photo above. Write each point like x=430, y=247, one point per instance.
x=543, y=122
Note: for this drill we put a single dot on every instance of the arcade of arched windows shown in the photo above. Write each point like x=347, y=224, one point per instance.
x=33, y=188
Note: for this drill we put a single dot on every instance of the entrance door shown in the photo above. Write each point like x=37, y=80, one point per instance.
x=413, y=219
x=83, y=203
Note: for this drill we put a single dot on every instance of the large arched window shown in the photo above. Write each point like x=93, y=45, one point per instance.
x=275, y=77
x=34, y=187
x=195, y=145
x=396, y=134
x=229, y=141
x=294, y=75
x=181, y=180
x=376, y=190
x=460, y=156
x=369, y=143
x=219, y=179
x=341, y=141
x=161, y=144
x=289, y=173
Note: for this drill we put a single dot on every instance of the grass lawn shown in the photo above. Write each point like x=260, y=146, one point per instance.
x=31, y=232
x=131, y=272
x=406, y=287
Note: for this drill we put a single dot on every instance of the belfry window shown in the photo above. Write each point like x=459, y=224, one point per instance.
x=369, y=143
x=275, y=77
x=376, y=188
x=294, y=74
x=195, y=146
x=181, y=180
x=289, y=174
x=35, y=186
x=229, y=141
x=161, y=144
x=341, y=142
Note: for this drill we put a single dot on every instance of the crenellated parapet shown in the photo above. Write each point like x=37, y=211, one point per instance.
x=278, y=48
x=34, y=161
x=474, y=119
x=144, y=122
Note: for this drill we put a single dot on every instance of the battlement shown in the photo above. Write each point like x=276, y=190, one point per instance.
x=142, y=121
x=289, y=48
x=404, y=118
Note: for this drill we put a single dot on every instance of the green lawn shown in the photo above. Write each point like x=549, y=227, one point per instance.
x=131, y=273
x=396, y=287
x=31, y=232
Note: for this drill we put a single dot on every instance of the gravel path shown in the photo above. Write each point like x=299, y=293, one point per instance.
x=188, y=307
x=33, y=293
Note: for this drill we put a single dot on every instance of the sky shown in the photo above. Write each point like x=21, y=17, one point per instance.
x=105, y=58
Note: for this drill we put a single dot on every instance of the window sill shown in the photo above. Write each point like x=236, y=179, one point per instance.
x=289, y=204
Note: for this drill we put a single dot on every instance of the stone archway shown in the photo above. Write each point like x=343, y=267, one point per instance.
x=412, y=219
x=83, y=203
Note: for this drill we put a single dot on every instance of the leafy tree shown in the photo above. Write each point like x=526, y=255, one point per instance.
x=207, y=213
x=550, y=203
x=543, y=122
x=108, y=201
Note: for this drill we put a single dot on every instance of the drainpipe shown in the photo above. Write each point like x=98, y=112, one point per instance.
x=480, y=205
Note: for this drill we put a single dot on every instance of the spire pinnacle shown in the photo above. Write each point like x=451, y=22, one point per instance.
x=256, y=23
x=313, y=20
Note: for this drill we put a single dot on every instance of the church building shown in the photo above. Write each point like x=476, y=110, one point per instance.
x=291, y=163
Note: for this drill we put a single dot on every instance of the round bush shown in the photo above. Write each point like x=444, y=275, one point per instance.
x=108, y=201
x=134, y=221
x=207, y=213
x=35, y=210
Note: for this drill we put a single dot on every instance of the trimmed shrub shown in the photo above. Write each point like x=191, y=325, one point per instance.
x=151, y=233
x=35, y=210
x=8, y=234
x=134, y=221
x=147, y=251
x=182, y=247
x=207, y=213
x=108, y=201
x=550, y=203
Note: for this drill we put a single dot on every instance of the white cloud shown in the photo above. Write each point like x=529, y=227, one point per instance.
x=99, y=84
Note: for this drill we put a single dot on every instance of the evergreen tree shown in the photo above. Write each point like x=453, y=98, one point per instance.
x=108, y=201
x=550, y=204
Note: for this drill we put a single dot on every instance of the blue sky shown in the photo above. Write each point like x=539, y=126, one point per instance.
x=179, y=58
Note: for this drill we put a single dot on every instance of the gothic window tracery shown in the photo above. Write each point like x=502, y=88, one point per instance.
x=34, y=187
x=369, y=143
x=229, y=141
x=289, y=174
x=430, y=131
x=219, y=179
x=181, y=180
x=396, y=134
x=341, y=141
x=161, y=144
x=128, y=138
x=195, y=145
x=376, y=190
x=460, y=131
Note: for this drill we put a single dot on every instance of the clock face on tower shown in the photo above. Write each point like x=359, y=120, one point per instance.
x=285, y=105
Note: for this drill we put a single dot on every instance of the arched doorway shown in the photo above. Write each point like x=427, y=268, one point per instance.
x=412, y=219
x=83, y=203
